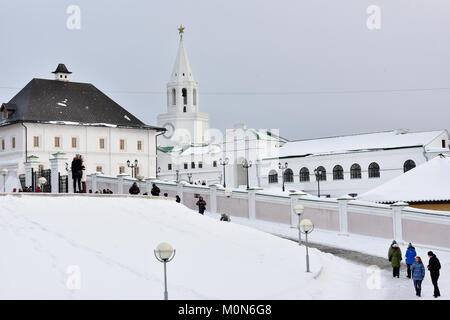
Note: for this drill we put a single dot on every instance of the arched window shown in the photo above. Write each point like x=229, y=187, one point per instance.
x=304, y=175
x=355, y=171
x=322, y=175
x=288, y=175
x=174, y=96
x=374, y=170
x=184, y=94
x=273, y=176
x=338, y=173
x=194, y=96
x=408, y=165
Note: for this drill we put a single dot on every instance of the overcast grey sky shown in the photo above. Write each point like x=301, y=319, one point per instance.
x=269, y=64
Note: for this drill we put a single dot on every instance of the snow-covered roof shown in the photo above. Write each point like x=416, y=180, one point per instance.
x=358, y=142
x=199, y=150
x=429, y=181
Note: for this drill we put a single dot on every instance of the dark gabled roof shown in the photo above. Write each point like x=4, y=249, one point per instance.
x=61, y=69
x=52, y=101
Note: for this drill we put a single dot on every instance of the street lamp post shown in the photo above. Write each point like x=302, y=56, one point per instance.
x=282, y=167
x=223, y=163
x=306, y=227
x=247, y=164
x=318, y=174
x=164, y=253
x=299, y=210
x=4, y=174
x=42, y=182
x=157, y=172
x=132, y=166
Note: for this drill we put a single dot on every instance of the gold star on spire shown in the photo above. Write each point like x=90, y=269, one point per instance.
x=181, y=31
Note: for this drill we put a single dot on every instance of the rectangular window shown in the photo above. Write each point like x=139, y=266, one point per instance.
x=214, y=163
x=121, y=169
x=136, y=171
x=13, y=142
x=99, y=169
x=200, y=164
x=101, y=143
x=193, y=165
x=443, y=143
x=169, y=166
x=185, y=165
x=74, y=142
x=57, y=142
x=36, y=141
x=139, y=145
x=122, y=144
x=3, y=144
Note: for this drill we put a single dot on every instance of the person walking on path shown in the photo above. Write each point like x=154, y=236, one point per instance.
x=77, y=173
x=395, y=256
x=201, y=205
x=418, y=273
x=155, y=191
x=410, y=255
x=434, y=266
x=134, y=189
x=178, y=199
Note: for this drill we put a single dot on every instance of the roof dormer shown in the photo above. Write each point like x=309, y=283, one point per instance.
x=7, y=109
x=61, y=73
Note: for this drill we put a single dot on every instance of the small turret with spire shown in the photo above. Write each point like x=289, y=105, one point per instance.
x=61, y=73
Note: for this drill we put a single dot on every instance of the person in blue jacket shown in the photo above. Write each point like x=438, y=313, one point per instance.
x=418, y=273
x=410, y=255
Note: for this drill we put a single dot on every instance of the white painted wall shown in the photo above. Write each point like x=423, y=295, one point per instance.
x=111, y=158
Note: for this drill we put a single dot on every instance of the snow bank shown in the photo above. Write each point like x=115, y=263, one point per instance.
x=111, y=240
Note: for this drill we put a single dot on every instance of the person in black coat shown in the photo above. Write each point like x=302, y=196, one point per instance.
x=201, y=205
x=134, y=189
x=77, y=172
x=434, y=266
x=178, y=199
x=155, y=191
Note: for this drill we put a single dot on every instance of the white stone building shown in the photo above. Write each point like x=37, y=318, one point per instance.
x=58, y=116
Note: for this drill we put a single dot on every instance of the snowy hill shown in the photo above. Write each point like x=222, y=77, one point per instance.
x=46, y=242
x=111, y=240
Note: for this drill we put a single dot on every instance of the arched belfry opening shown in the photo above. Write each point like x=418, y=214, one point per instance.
x=184, y=94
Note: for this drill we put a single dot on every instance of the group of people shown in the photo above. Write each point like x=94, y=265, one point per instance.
x=415, y=267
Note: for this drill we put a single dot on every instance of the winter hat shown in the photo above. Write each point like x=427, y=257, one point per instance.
x=410, y=245
x=430, y=253
x=393, y=241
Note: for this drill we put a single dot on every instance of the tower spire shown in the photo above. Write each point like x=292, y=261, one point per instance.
x=181, y=31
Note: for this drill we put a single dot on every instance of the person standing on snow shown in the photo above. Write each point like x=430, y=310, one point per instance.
x=434, y=266
x=83, y=175
x=395, y=256
x=77, y=173
x=410, y=255
x=201, y=205
x=134, y=189
x=155, y=191
x=418, y=273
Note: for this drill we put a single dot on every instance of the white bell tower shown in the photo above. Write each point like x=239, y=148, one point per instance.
x=183, y=121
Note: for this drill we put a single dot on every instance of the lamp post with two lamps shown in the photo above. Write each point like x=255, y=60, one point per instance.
x=223, y=163
x=306, y=227
x=4, y=174
x=164, y=253
x=246, y=164
x=283, y=167
x=318, y=172
x=132, y=166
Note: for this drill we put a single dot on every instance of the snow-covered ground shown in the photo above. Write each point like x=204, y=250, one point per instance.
x=391, y=288
x=49, y=245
